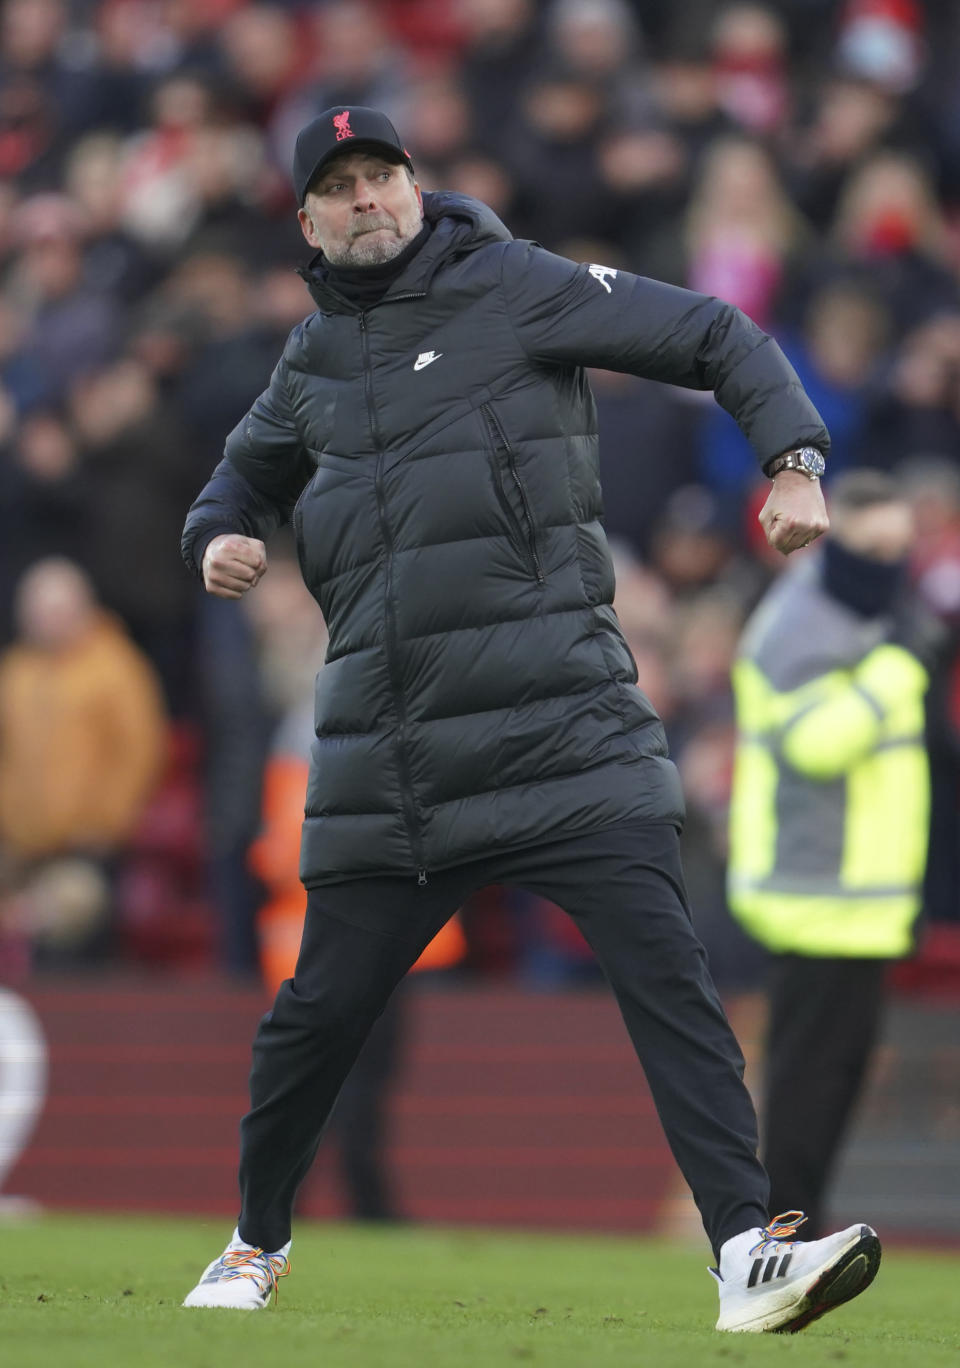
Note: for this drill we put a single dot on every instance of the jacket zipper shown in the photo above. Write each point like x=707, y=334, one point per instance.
x=298, y=533
x=298, y=523
x=413, y=826
x=528, y=535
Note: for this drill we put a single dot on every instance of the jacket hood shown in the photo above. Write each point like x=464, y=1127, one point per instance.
x=460, y=225
x=478, y=223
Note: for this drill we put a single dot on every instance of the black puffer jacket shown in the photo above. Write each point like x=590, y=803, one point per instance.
x=438, y=457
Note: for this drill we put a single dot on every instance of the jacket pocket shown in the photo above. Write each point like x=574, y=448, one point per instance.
x=504, y=467
x=297, y=521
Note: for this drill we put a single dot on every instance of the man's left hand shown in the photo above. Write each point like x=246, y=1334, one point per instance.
x=794, y=514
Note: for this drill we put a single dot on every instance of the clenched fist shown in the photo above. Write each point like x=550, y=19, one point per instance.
x=794, y=514
x=233, y=564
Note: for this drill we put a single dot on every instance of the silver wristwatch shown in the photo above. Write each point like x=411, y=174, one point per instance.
x=805, y=460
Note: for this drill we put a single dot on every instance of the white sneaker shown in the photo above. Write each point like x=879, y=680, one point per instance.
x=768, y=1283
x=242, y=1278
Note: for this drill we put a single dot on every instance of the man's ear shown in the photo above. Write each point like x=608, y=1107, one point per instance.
x=308, y=228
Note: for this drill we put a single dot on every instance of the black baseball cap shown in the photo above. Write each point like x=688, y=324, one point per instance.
x=344, y=128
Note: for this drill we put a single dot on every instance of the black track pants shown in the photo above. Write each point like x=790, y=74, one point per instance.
x=360, y=1116
x=624, y=888
x=824, y=1021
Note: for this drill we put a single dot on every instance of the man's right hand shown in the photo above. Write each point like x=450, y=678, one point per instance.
x=233, y=564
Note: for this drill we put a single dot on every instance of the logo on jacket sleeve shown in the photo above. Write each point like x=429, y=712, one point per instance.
x=426, y=359
x=341, y=123
x=600, y=273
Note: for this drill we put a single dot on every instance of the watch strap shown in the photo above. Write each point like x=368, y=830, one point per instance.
x=791, y=460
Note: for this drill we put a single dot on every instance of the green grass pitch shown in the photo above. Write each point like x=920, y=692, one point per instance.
x=105, y=1293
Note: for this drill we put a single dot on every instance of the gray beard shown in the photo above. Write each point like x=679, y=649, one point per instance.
x=362, y=252
x=366, y=249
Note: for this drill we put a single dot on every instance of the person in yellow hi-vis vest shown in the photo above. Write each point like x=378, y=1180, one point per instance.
x=829, y=818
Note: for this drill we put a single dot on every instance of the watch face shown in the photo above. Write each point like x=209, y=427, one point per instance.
x=812, y=461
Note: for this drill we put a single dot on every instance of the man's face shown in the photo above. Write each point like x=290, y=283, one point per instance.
x=362, y=210
x=881, y=532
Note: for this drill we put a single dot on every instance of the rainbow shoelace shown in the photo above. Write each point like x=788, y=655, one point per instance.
x=778, y=1232
x=266, y=1270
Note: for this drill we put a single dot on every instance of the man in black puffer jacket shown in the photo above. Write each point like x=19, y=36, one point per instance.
x=432, y=436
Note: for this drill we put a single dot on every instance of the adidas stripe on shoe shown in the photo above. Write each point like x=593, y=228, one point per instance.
x=768, y=1282
x=242, y=1278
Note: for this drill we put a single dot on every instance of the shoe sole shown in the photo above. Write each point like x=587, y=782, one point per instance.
x=852, y=1274
x=221, y=1306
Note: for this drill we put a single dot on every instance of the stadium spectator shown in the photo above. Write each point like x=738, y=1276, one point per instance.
x=82, y=735
x=502, y=50
x=552, y=156
x=46, y=99
x=889, y=227
x=601, y=40
x=161, y=203
x=847, y=122
x=69, y=327
x=829, y=818
x=115, y=264
x=742, y=234
x=137, y=467
x=915, y=406
x=749, y=43
x=43, y=502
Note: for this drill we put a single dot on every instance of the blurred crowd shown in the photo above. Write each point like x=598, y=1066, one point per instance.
x=800, y=158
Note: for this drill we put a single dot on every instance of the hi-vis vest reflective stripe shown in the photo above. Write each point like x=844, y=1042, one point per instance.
x=830, y=804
